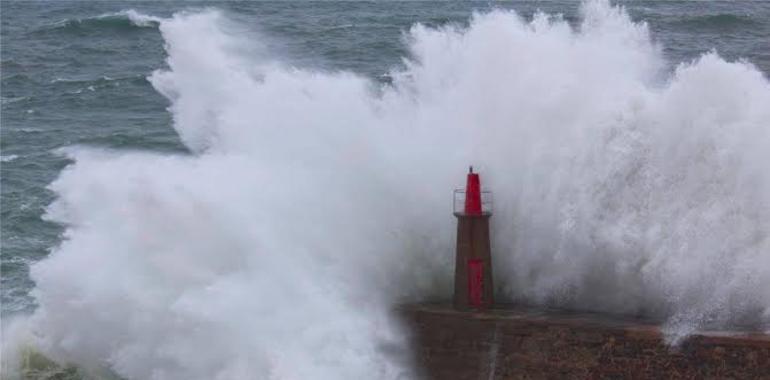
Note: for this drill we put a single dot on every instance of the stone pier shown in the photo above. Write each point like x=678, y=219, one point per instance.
x=525, y=343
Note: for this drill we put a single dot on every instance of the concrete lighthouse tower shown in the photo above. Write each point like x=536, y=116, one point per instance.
x=473, y=261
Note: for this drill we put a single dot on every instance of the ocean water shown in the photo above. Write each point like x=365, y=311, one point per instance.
x=243, y=189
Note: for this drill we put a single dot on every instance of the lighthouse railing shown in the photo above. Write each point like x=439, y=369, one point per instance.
x=459, y=202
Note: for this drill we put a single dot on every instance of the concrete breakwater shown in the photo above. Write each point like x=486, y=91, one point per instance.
x=521, y=343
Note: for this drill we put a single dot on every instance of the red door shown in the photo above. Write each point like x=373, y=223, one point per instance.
x=475, y=282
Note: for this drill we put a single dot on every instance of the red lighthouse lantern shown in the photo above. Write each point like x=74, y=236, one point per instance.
x=473, y=194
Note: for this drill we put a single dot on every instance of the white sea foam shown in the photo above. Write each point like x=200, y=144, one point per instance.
x=312, y=203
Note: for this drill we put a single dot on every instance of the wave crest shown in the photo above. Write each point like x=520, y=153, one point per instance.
x=123, y=20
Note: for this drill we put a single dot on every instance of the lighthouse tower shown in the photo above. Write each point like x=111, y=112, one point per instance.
x=473, y=261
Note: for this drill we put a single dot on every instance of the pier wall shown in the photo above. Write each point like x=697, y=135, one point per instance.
x=538, y=344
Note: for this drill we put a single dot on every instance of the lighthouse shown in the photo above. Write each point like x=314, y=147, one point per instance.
x=473, y=258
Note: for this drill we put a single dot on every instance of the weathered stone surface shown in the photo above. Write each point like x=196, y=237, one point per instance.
x=517, y=343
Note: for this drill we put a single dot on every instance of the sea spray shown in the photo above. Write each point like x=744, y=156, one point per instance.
x=313, y=201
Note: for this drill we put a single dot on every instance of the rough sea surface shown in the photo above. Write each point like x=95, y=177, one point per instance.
x=138, y=140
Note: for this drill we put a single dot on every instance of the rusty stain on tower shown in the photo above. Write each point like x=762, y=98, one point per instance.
x=473, y=258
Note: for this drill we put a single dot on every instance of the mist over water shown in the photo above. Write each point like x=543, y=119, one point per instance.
x=313, y=201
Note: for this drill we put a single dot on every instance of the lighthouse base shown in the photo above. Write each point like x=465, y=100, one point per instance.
x=513, y=343
x=473, y=263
